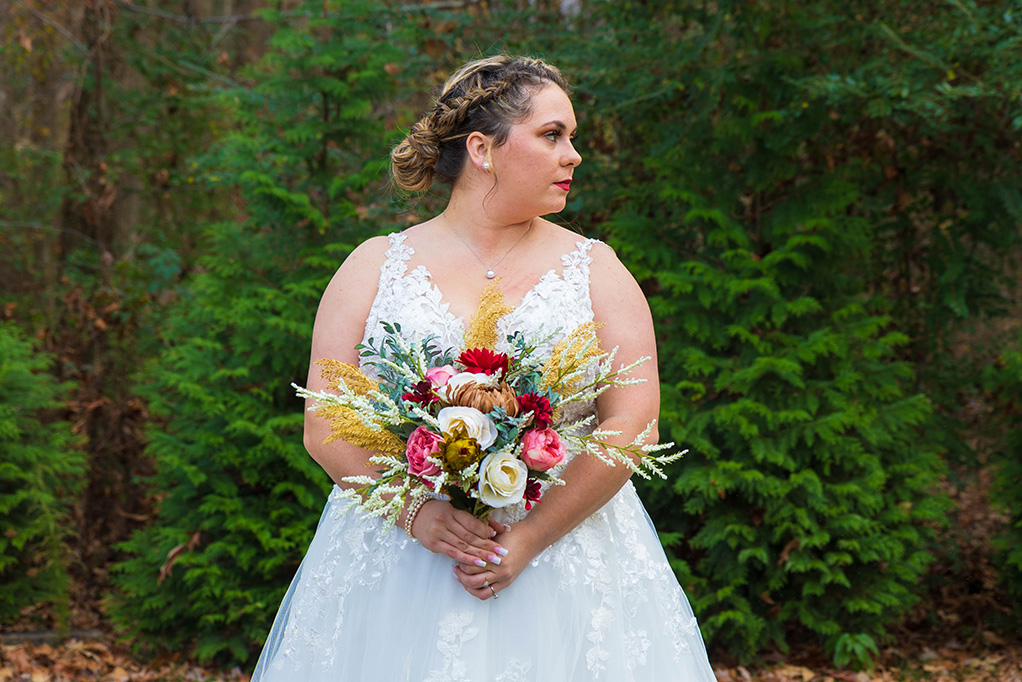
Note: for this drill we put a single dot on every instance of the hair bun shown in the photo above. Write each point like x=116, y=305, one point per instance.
x=413, y=161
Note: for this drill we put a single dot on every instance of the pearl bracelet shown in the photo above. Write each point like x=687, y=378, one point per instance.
x=413, y=511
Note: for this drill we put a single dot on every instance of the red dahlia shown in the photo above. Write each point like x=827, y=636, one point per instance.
x=483, y=361
x=542, y=414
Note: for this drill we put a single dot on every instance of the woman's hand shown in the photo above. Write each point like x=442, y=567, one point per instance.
x=477, y=580
x=442, y=529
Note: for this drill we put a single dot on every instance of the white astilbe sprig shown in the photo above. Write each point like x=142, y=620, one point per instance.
x=425, y=416
x=375, y=409
x=606, y=376
x=410, y=373
x=638, y=455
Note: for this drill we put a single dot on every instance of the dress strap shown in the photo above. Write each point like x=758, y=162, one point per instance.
x=395, y=265
x=576, y=263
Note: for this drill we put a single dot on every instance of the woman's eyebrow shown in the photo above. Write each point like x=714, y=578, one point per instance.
x=559, y=124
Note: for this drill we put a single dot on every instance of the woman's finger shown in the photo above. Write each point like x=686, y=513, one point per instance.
x=473, y=525
x=476, y=581
x=487, y=550
x=498, y=526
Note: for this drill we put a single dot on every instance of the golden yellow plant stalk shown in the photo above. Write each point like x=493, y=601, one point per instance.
x=344, y=422
x=581, y=345
x=482, y=328
x=345, y=425
x=355, y=378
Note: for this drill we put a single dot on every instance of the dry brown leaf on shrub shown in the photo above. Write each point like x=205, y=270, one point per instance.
x=175, y=553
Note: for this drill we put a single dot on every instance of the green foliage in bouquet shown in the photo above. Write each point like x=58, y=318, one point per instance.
x=40, y=473
x=748, y=200
x=238, y=495
x=1004, y=382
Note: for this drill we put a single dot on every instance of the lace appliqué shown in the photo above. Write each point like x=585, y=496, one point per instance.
x=411, y=300
x=454, y=632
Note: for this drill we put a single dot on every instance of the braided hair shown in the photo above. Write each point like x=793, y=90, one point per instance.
x=485, y=95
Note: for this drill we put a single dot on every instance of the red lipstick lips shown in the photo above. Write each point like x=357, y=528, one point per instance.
x=564, y=184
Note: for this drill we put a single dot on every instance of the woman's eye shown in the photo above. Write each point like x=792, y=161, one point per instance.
x=553, y=135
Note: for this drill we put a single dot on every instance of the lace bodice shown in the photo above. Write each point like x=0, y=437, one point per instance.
x=558, y=302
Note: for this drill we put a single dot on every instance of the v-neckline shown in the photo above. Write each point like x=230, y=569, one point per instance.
x=462, y=319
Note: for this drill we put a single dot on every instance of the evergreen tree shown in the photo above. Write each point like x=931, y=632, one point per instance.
x=40, y=474
x=1004, y=383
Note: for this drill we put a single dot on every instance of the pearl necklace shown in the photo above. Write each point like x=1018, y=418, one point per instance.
x=490, y=274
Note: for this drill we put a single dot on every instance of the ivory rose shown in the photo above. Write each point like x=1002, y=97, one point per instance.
x=438, y=376
x=502, y=479
x=542, y=449
x=422, y=444
x=474, y=423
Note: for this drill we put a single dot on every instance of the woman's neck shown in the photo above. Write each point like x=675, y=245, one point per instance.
x=483, y=225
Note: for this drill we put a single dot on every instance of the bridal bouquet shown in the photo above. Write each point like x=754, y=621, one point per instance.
x=481, y=427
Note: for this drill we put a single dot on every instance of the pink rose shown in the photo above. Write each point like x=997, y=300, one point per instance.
x=438, y=376
x=421, y=444
x=542, y=449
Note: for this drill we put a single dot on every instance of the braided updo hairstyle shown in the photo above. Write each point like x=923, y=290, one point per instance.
x=485, y=95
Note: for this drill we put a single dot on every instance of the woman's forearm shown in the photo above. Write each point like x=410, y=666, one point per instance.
x=590, y=484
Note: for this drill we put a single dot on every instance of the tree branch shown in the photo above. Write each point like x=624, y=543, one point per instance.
x=60, y=29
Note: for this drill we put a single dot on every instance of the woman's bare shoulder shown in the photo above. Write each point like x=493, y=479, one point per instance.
x=356, y=278
x=561, y=238
x=370, y=254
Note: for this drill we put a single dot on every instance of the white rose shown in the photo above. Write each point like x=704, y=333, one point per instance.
x=502, y=479
x=474, y=423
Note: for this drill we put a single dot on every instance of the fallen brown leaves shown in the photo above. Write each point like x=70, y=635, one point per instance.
x=80, y=661
x=1003, y=665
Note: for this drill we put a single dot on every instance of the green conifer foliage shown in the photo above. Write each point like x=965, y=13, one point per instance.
x=239, y=494
x=39, y=476
x=1004, y=380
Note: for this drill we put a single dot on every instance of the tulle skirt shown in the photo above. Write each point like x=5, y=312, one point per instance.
x=599, y=604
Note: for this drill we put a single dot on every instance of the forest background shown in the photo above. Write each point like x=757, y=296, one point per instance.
x=822, y=202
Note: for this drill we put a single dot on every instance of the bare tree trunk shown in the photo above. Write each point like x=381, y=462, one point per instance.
x=89, y=213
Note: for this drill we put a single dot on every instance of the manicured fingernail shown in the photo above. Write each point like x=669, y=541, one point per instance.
x=492, y=532
x=494, y=559
x=500, y=550
x=482, y=564
x=507, y=528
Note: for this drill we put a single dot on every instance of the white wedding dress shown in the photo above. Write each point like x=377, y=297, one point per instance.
x=599, y=604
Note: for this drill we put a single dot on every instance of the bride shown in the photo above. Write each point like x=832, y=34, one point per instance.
x=576, y=589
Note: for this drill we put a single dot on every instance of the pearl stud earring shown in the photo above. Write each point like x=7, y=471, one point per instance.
x=486, y=165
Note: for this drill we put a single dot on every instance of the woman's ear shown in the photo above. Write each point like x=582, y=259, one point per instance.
x=478, y=147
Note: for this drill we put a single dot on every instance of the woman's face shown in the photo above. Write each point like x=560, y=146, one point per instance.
x=534, y=166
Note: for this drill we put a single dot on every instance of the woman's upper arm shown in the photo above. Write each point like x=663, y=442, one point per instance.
x=339, y=327
x=620, y=306
x=344, y=307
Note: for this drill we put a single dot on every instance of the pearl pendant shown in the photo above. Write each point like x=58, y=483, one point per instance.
x=490, y=274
